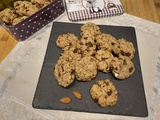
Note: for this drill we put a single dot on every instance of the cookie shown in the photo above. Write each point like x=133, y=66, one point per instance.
x=104, y=93
x=104, y=59
x=86, y=68
x=7, y=16
x=25, y=8
x=124, y=49
x=71, y=53
x=64, y=72
x=88, y=46
x=106, y=42
x=18, y=20
x=122, y=68
x=41, y=3
x=90, y=27
x=88, y=34
x=66, y=39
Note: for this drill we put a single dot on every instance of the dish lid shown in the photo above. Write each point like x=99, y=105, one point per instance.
x=79, y=10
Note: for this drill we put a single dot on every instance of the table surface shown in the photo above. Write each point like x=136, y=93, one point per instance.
x=20, y=71
x=145, y=9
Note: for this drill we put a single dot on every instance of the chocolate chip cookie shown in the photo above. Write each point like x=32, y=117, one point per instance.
x=104, y=59
x=88, y=46
x=25, y=8
x=106, y=41
x=72, y=53
x=90, y=28
x=66, y=39
x=18, y=20
x=104, y=93
x=64, y=72
x=41, y=3
x=86, y=68
x=122, y=68
x=124, y=48
x=7, y=16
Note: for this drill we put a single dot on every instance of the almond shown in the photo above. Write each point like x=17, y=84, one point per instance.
x=77, y=94
x=65, y=100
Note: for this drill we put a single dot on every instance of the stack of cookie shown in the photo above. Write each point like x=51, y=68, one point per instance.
x=95, y=51
x=21, y=10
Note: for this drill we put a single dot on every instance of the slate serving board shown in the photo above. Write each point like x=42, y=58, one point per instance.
x=131, y=101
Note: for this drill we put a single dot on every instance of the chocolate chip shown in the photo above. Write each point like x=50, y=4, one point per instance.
x=87, y=49
x=62, y=69
x=124, y=62
x=112, y=68
x=112, y=43
x=130, y=69
x=95, y=100
x=128, y=54
x=75, y=50
x=109, y=92
x=81, y=43
x=89, y=44
x=116, y=68
x=72, y=71
x=122, y=52
x=70, y=44
x=85, y=38
x=107, y=84
x=103, y=58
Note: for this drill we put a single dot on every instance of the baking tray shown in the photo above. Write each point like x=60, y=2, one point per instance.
x=132, y=100
x=35, y=22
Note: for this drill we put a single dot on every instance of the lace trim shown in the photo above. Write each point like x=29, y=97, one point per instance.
x=13, y=109
x=17, y=58
x=155, y=102
x=139, y=23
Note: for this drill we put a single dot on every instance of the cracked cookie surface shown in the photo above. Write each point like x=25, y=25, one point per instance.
x=25, y=8
x=122, y=68
x=66, y=39
x=124, y=48
x=86, y=68
x=104, y=93
x=7, y=16
x=64, y=72
x=104, y=59
x=106, y=42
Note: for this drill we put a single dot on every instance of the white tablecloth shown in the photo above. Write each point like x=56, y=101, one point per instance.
x=20, y=70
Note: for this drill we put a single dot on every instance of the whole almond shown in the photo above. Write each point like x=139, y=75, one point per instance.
x=77, y=94
x=65, y=100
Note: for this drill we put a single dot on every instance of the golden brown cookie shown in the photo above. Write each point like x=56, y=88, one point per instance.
x=7, y=16
x=104, y=93
x=122, y=68
x=41, y=3
x=90, y=28
x=18, y=20
x=124, y=48
x=64, y=72
x=71, y=53
x=25, y=8
x=66, y=39
x=86, y=68
x=104, y=59
x=106, y=42
x=88, y=46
